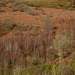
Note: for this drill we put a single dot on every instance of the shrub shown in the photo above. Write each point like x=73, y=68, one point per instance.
x=7, y=24
x=47, y=21
x=2, y=3
x=63, y=46
x=72, y=66
x=21, y=8
x=32, y=12
x=9, y=1
x=73, y=56
x=33, y=4
x=18, y=70
x=10, y=5
x=63, y=69
x=24, y=8
x=2, y=10
x=36, y=62
x=19, y=3
x=27, y=3
x=20, y=26
x=47, y=24
x=38, y=70
x=43, y=12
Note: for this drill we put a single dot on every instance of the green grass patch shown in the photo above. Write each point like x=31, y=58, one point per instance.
x=46, y=4
x=50, y=4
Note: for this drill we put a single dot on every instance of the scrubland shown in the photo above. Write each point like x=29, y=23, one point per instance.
x=36, y=38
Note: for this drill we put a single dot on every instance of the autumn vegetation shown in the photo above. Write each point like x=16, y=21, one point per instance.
x=33, y=49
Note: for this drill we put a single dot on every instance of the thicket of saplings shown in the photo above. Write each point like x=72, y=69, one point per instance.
x=43, y=54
